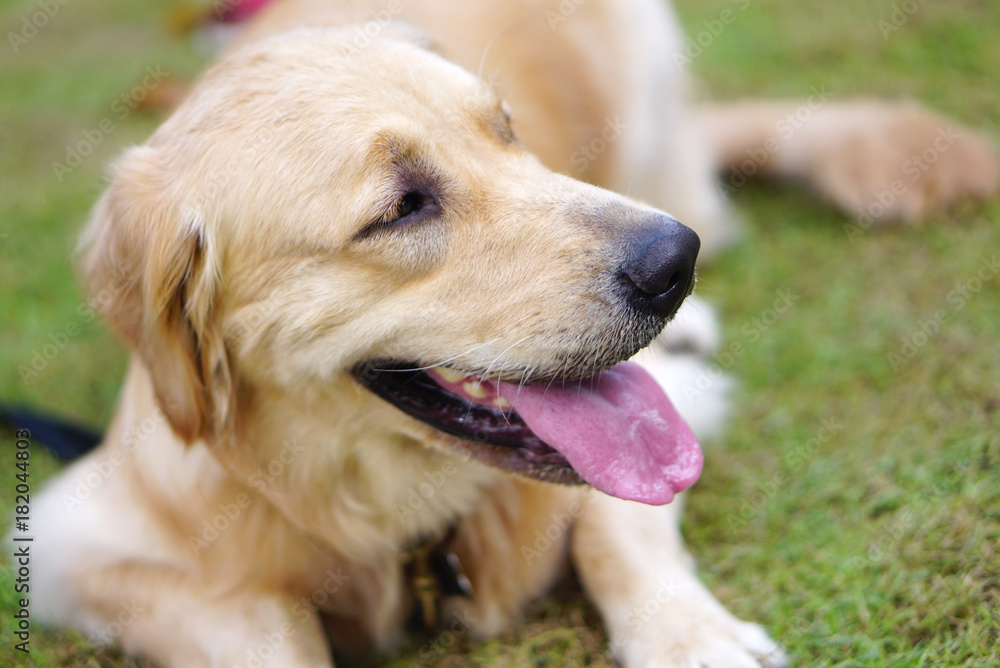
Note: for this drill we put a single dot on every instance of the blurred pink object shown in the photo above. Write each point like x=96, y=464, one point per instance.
x=235, y=11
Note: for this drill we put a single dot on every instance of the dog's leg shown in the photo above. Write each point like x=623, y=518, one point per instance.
x=876, y=160
x=512, y=547
x=634, y=567
x=631, y=557
x=161, y=613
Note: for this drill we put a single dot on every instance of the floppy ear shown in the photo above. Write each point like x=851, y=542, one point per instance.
x=152, y=272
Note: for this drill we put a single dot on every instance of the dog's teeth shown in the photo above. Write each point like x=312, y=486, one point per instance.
x=474, y=389
x=449, y=375
x=500, y=402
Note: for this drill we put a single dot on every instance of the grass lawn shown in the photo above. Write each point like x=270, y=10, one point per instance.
x=854, y=506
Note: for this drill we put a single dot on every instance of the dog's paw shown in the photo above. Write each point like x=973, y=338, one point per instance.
x=885, y=161
x=693, y=630
x=740, y=644
x=734, y=644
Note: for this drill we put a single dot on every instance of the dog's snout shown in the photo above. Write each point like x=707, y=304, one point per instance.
x=659, y=265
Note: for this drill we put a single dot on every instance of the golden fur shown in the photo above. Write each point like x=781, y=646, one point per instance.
x=231, y=254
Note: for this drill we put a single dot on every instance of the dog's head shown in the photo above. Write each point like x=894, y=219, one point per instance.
x=315, y=212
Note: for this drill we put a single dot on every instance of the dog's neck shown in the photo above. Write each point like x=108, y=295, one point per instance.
x=351, y=472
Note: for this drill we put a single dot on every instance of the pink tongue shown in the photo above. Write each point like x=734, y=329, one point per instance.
x=619, y=431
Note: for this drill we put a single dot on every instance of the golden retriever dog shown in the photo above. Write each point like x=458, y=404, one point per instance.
x=381, y=291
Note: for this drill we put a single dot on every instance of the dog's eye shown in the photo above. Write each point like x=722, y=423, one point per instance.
x=412, y=207
x=408, y=204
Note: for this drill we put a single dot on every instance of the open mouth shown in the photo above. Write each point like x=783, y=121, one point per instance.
x=616, y=430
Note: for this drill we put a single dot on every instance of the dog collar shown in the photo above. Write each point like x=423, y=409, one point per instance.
x=434, y=571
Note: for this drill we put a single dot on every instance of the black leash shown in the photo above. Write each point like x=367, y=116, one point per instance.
x=67, y=439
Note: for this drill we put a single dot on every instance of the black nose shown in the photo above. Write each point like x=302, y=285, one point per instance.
x=659, y=265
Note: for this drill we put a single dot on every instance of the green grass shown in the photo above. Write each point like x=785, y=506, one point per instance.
x=879, y=547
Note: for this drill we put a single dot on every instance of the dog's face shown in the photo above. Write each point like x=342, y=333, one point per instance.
x=315, y=212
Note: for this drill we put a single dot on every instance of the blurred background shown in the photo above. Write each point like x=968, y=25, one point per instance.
x=853, y=507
